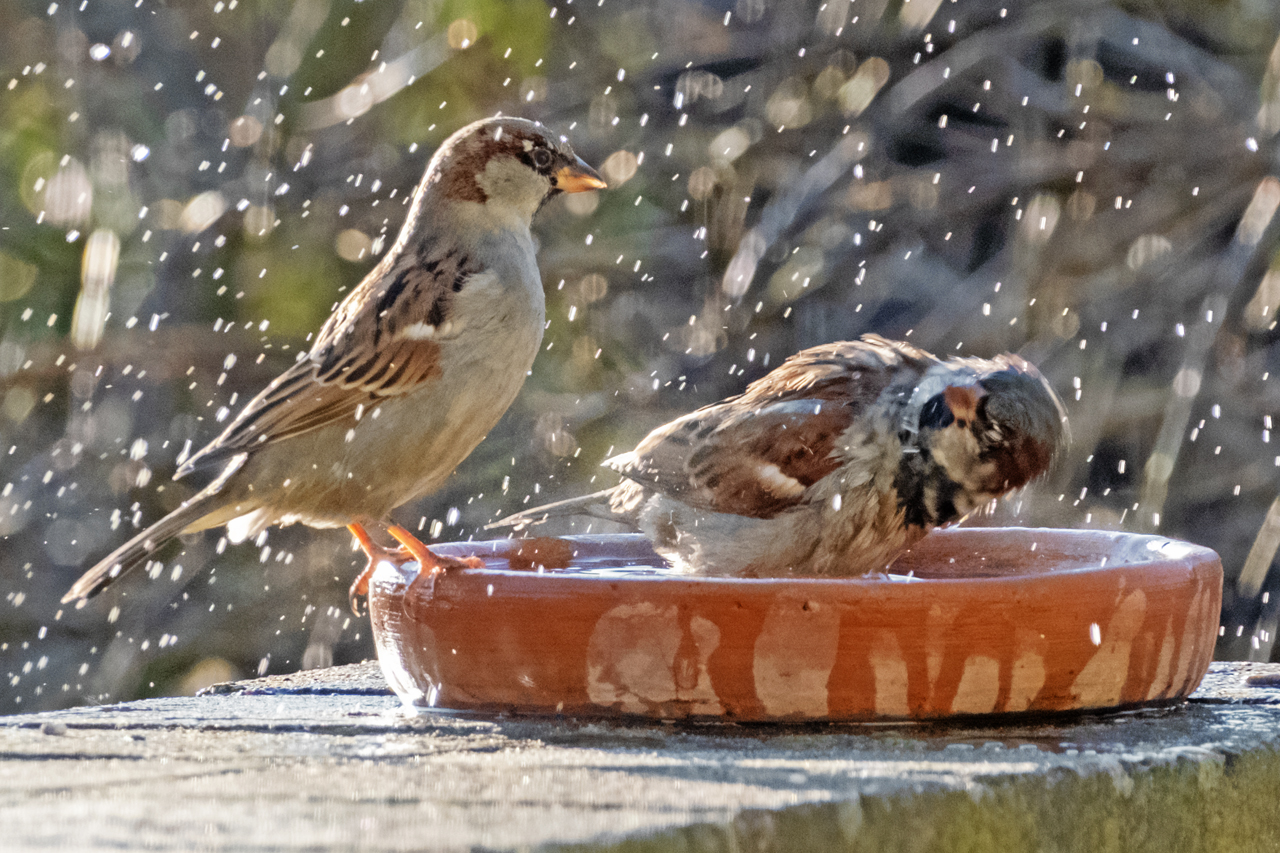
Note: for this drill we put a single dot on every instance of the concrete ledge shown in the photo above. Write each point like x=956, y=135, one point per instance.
x=329, y=760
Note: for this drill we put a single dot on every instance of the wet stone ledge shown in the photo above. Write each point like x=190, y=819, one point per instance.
x=328, y=760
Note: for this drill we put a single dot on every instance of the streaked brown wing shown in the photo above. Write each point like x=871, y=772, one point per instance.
x=757, y=454
x=381, y=342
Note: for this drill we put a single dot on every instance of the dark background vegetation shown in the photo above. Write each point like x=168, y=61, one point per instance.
x=187, y=187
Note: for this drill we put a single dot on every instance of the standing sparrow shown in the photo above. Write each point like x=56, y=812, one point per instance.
x=413, y=369
x=832, y=464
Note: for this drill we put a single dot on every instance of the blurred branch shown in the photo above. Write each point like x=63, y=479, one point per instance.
x=783, y=209
x=1261, y=554
x=165, y=354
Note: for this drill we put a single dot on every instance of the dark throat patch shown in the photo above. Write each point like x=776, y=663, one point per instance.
x=926, y=495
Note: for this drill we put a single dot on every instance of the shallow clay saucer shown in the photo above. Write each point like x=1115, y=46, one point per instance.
x=970, y=621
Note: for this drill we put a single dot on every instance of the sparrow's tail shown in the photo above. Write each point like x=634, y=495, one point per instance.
x=134, y=552
x=595, y=505
x=140, y=547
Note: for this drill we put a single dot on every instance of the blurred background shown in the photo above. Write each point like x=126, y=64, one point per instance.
x=187, y=187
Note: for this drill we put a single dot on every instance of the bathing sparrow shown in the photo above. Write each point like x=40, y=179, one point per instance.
x=832, y=464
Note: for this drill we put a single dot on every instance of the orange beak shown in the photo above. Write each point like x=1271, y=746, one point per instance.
x=578, y=177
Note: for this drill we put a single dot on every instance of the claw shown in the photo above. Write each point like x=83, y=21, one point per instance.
x=414, y=546
x=432, y=565
x=376, y=554
x=359, y=589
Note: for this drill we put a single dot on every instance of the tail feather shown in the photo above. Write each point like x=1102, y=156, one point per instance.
x=595, y=505
x=134, y=552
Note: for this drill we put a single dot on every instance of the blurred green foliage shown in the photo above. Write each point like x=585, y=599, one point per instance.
x=1092, y=184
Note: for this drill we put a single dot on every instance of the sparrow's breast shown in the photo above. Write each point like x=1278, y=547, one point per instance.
x=406, y=446
x=483, y=366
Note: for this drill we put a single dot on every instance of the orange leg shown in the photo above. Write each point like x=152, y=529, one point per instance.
x=432, y=565
x=376, y=554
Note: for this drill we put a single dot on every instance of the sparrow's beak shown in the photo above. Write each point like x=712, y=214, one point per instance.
x=578, y=177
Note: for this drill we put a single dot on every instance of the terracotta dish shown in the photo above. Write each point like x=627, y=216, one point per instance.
x=970, y=621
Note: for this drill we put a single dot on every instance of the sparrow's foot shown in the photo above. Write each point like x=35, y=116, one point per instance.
x=433, y=565
x=376, y=554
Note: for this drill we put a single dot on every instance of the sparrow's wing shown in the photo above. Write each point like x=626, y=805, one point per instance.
x=757, y=454
x=381, y=342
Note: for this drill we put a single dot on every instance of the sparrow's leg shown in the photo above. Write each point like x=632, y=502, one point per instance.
x=376, y=554
x=433, y=565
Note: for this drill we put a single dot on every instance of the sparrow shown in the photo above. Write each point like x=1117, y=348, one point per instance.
x=407, y=376
x=832, y=464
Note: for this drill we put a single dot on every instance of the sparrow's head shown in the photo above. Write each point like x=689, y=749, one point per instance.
x=511, y=164
x=995, y=426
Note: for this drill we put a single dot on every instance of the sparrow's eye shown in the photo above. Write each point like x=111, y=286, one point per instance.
x=541, y=158
x=935, y=413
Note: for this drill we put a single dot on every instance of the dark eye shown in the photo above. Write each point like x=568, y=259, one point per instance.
x=541, y=158
x=935, y=413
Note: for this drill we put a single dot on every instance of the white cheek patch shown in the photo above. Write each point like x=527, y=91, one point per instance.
x=510, y=185
x=956, y=450
x=528, y=145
